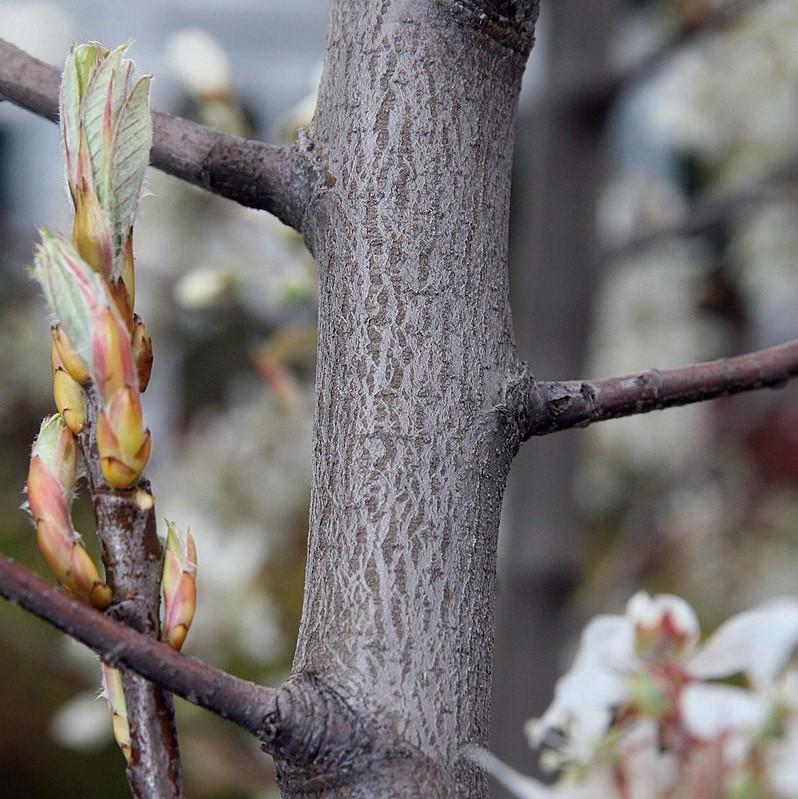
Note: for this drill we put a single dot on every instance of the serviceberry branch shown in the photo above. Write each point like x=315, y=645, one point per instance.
x=120, y=646
x=547, y=407
x=274, y=178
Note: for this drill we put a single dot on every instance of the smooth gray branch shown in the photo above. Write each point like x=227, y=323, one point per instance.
x=278, y=179
x=546, y=407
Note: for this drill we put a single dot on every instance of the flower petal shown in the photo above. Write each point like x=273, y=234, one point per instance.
x=516, y=783
x=709, y=711
x=756, y=642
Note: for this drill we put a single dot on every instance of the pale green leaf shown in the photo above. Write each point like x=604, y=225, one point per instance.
x=71, y=289
x=131, y=154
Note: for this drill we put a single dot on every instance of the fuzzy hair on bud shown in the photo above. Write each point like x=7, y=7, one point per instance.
x=74, y=293
x=91, y=330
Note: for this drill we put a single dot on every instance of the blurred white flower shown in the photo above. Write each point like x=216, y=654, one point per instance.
x=757, y=643
x=635, y=716
x=44, y=30
x=711, y=711
x=710, y=99
x=765, y=252
x=613, y=653
x=635, y=202
x=646, y=318
x=82, y=723
x=200, y=62
x=203, y=288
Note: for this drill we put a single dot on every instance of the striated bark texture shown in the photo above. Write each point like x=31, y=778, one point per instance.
x=413, y=138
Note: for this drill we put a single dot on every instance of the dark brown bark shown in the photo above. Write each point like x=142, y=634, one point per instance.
x=414, y=131
x=554, y=278
x=274, y=178
x=132, y=556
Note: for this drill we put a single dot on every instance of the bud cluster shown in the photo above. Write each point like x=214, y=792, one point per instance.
x=101, y=354
x=92, y=342
x=89, y=283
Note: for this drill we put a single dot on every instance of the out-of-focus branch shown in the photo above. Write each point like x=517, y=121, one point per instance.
x=278, y=179
x=716, y=20
x=241, y=701
x=706, y=213
x=547, y=407
x=600, y=93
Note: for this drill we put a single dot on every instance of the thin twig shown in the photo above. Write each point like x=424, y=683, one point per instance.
x=304, y=724
x=547, y=407
x=132, y=556
x=240, y=701
x=274, y=178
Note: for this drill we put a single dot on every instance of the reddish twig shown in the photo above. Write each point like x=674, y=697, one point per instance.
x=118, y=645
x=278, y=179
x=547, y=407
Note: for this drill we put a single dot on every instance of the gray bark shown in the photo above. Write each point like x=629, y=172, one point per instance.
x=555, y=276
x=414, y=138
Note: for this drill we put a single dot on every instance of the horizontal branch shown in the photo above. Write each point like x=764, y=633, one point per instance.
x=274, y=178
x=546, y=407
x=239, y=700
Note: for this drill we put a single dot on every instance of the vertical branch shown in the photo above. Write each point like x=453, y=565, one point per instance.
x=415, y=127
x=132, y=555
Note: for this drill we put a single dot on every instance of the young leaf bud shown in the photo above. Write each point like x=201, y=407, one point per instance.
x=142, y=352
x=178, y=585
x=70, y=399
x=115, y=696
x=64, y=355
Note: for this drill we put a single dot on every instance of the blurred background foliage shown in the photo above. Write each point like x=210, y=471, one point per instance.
x=655, y=223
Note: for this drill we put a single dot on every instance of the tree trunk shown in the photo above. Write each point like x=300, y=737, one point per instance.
x=413, y=135
x=555, y=278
